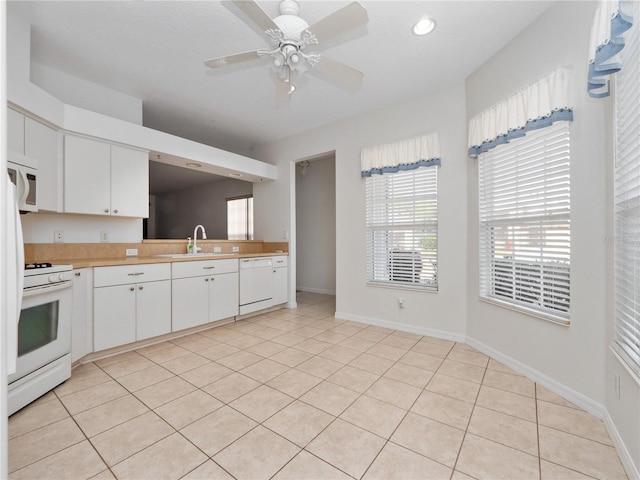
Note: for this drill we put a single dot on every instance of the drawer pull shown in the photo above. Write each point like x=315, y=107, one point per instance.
x=131, y=288
x=206, y=279
x=140, y=287
x=115, y=211
x=208, y=268
x=135, y=274
x=106, y=210
x=77, y=274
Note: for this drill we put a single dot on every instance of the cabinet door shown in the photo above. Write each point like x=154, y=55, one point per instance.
x=15, y=132
x=41, y=143
x=153, y=309
x=81, y=314
x=114, y=316
x=189, y=302
x=129, y=182
x=280, y=285
x=223, y=296
x=86, y=176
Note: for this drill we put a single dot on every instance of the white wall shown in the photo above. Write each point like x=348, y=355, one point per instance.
x=316, y=227
x=443, y=313
x=177, y=213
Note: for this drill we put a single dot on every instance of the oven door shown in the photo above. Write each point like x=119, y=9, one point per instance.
x=44, y=328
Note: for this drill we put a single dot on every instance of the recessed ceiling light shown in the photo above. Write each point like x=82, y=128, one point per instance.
x=194, y=165
x=235, y=174
x=424, y=26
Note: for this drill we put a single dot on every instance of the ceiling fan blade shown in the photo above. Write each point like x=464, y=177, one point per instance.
x=231, y=59
x=255, y=13
x=343, y=20
x=345, y=74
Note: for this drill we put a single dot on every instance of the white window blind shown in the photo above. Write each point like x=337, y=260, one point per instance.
x=627, y=202
x=402, y=228
x=240, y=218
x=524, y=223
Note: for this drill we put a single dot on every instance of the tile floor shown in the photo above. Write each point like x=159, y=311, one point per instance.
x=297, y=394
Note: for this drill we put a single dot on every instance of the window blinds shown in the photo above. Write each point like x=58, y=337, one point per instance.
x=524, y=223
x=402, y=228
x=627, y=203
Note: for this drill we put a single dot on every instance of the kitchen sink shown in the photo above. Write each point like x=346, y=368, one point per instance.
x=190, y=255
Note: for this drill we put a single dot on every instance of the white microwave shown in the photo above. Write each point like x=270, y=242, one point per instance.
x=25, y=178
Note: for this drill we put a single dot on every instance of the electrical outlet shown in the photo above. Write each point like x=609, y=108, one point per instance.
x=58, y=236
x=401, y=302
x=104, y=236
x=285, y=235
x=131, y=252
x=235, y=249
x=217, y=249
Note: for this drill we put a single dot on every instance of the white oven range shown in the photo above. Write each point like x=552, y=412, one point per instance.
x=44, y=334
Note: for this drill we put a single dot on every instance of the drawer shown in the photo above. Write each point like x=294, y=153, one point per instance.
x=280, y=261
x=203, y=267
x=121, y=275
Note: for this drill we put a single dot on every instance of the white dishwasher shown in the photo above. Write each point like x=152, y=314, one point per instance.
x=256, y=284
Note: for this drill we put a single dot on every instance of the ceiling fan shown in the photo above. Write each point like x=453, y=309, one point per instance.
x=290, y=37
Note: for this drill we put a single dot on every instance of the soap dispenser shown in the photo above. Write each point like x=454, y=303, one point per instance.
x=189, y=245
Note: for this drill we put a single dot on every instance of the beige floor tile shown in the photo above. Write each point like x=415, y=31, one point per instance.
x=427, y=437
x=415, y=376
x=221, y=333
x=266, y=349
x=215, y=431
x=341, y=354
x=573, y=421
x=329, y=336
x=266, y=333
x=261, y=403
x=580, y=454
x=291, y=357
x=264, y=370
x=421, y=360
x=551, y=471
x=399, y=341
x=457, y=475
x=374, y=415
x=308, y=331
x=170, y=458
x=307, y=466
x=187, y=409
x=120, y=357
x=126, y=439
x=484, y=459
x=206, y=374
x=209, y=470
x=268, y=452
x=398, y=463
x=371, y=335
x=463, y=371
x=414, y=336
x=195, y=342
x=495, y=365
x=166, y=354
x=185, y=363
x=347, y=447
x=428, y=347
x=104, y=475
x=131, y=365
x=144, y=378
x=330, y=397
x=387, y=351
x=454, y=388
x=507, y=402
x=244, y=341
x=36, y=415
x=239, y=360
x=396, y=393
x=353, y=378
x=505, y=429
x=547, y=395
x=164, y=392
x=288, y=339
x=355, y=343
x=218, y=351
x=231, y=387
x=443, y=409
x=299, y=423
x=38, y=444
x=372, y=364
x=294, y=382
x=82, y=381
x=320, y=367
x=110, y=414
x=78, y=461
x=472, y=358
x=511, y=383
x=349, y=328
x=312, y=346
x=93, y=396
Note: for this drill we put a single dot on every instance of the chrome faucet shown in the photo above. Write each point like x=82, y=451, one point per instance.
x=196, y=248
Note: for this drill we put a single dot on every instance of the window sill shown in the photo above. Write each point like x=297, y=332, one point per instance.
x=530, y=312
x=395, y=286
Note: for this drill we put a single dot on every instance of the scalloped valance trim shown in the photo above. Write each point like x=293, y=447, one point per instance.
x=401, y=167
x=409, y=154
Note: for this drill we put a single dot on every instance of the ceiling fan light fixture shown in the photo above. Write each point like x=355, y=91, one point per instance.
x=194, y=165
x=424, y=26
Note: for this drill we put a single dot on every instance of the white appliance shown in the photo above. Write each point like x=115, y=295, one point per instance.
x=256, y=284
x=43, y=338
x=23, y=173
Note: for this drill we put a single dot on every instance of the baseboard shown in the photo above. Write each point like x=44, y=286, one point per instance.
x=404, y=327
x=621, y=448
x=316, y=290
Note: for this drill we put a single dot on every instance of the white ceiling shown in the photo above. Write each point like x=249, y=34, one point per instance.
x=154, y=50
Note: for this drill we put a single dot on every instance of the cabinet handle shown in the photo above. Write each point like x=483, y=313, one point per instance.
x=115, y=211
x=131, y=288
x=206, y=279
x=77, y=274
x=140, y=287
x=208, y=268
x=106, y=210
x=274, y=271
x=135, y=274
x=212, y=279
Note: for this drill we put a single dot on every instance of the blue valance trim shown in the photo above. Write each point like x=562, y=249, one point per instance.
x=599, y=69
x=559, y=115
x=401, y=167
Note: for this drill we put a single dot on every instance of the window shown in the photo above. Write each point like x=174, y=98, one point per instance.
x=524, y=223
x=402, y=228
x=240, y=218
x=627, y=203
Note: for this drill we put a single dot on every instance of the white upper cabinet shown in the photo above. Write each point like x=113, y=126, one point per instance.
x=15, y=132
x=105, y=179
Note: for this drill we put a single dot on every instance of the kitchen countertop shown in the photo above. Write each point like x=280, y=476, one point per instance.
x=107, y=262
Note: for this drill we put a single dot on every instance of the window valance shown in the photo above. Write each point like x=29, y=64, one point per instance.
x=421, y=151
x=536, y=106
x=605, y=44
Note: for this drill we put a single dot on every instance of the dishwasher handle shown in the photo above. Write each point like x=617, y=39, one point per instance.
x=249, y=263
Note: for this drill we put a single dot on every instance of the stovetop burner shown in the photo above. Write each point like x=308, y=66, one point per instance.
x=31, y=266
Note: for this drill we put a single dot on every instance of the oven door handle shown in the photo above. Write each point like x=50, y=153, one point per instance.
x=32, y=291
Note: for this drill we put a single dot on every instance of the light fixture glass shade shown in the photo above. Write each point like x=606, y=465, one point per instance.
x=424, y=26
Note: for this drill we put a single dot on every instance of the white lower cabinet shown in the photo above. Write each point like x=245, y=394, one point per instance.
x=82, y=314
x=203, y=292
x=280, y=281
x=130, y=303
